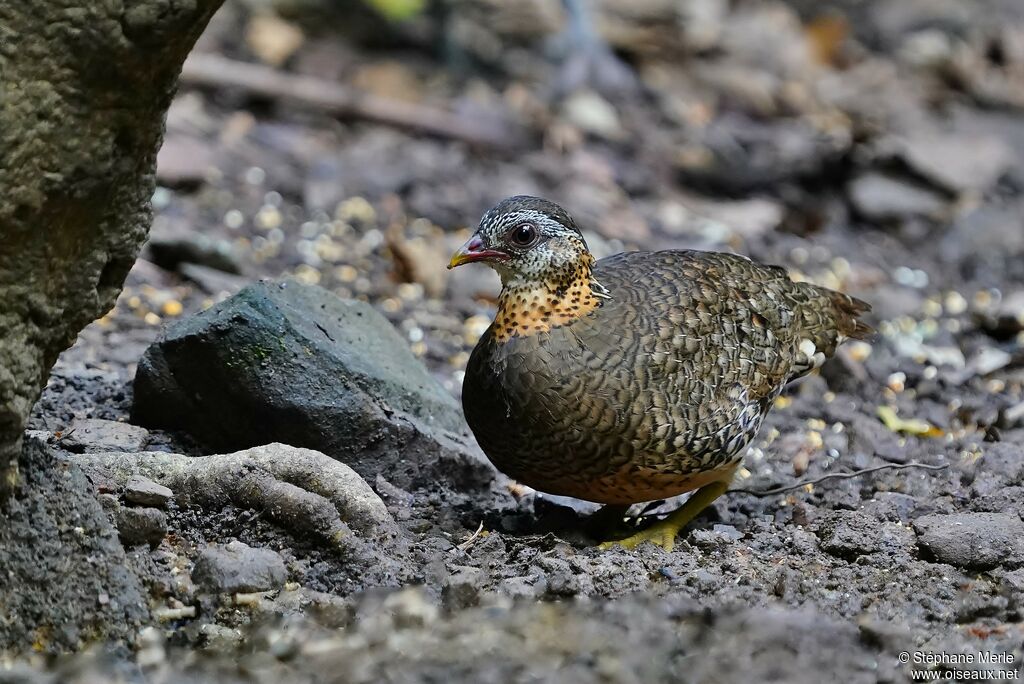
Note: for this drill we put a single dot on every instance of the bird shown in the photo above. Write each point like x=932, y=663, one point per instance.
x=639, y=376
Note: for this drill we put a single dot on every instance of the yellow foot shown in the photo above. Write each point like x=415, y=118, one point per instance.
x=663, y=533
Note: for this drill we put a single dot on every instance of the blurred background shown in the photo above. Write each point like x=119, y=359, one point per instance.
x=872, y=146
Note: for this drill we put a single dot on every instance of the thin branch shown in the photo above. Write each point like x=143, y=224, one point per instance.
x=213, y=71
x=835, y=476
x=466, y=544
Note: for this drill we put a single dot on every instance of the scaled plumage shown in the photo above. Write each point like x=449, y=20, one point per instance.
x=656, y=384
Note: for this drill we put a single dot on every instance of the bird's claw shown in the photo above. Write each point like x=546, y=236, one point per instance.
x=661, y=534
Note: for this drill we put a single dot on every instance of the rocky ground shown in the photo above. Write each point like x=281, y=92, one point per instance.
x=876, y=147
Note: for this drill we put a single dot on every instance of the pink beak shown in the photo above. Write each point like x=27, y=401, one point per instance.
x=474, y=250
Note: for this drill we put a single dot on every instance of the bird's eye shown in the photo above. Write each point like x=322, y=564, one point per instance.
x=524, y=234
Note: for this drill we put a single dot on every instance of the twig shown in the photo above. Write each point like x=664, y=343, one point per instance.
x=836, y=476
x=251, y=598
x=466, y=544
x=167, y=614
x=213, y=71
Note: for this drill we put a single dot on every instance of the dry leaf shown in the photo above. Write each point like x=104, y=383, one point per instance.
x=910, y=426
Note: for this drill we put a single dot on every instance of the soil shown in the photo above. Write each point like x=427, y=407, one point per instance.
x=716, y=149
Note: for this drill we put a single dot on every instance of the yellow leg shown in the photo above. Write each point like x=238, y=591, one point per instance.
x=663, y=533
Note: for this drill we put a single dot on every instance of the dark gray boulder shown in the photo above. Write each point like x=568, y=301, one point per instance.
x=292, y=363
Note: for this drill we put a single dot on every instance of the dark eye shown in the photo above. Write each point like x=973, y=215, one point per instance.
x=524, y=234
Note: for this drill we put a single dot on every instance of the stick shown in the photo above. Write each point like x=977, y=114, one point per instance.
x=214, y=71
x=836, y=476
x=469, y=542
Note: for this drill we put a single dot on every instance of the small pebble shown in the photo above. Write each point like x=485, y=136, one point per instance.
x=144, y=492
x=138, y=526
x=238, y=568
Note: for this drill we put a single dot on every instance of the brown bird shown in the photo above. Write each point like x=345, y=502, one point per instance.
x=637, y=377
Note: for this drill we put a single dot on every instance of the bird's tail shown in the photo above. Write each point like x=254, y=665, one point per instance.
x=847, y=312
x=825, y=319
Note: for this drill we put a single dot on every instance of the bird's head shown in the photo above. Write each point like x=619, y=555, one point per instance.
x=527, y=240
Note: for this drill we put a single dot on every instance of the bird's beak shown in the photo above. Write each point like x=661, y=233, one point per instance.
x=474, y=250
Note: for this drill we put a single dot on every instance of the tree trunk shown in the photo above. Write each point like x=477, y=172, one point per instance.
x=84, y=88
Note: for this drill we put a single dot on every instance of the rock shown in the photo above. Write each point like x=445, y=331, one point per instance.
x=220, y=639
x=171, y=247
x=848, y=534
x=144, y=492
x=409, y=608
x=462, y=588
x=137, y=526
x=990, y=231
x=1012, y=416
x=520, y=587
x=719, y=220
x=1005, y=318
x=1013, y=583
x=972, y=540
x=957, y=163
x=58, y=554
x=894, y=506
x=774, y=152
x=354, y=499
x=869, y=436
x=720, y=538
x=43, y=436
x=87, y=435
x=212, y=280
x=183, y=161
x=238, y=567
x=295, y=602
x=559, y=576
x=1000, y=467
x=880, y=197
x=593, y=114
x=292, y=363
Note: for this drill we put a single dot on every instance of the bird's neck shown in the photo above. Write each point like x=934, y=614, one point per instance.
x=528, y=308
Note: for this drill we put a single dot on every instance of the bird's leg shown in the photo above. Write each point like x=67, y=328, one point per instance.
x=663, y=533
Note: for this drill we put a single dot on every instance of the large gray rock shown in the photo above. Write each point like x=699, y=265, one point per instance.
x=292, y=363
x=82, y=101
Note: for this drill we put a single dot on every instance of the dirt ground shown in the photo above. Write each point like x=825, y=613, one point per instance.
x=875, y=147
